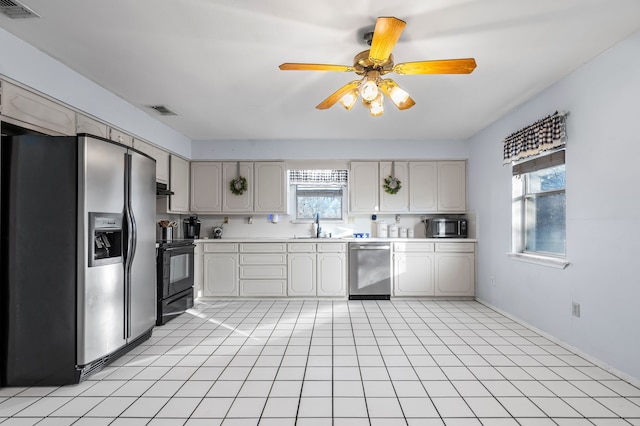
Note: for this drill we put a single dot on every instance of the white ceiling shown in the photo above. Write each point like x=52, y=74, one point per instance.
x=215, y=62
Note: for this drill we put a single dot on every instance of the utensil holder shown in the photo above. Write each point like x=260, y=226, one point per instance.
x=167, y=233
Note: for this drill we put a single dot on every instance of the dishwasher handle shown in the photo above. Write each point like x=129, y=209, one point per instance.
x=370, y=247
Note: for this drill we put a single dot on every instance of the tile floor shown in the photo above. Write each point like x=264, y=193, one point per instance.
x=277, y=362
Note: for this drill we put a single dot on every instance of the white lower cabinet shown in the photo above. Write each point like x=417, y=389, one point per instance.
x=413, y=265
x=413, y=274
x=220, y=274
x=332, y=274
x=219, y=269
x=455, y=265
x=317, y=270
x=427, y=269
x=302, y=274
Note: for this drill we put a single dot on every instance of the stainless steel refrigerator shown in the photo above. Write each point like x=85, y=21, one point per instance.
x=78, y=256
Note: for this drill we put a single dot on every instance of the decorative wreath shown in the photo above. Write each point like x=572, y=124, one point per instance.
x=392, y=185
x=238, y=185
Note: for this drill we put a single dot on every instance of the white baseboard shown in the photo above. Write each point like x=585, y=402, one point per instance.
x=621, y=374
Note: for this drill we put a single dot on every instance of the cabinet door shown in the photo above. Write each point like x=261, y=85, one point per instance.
x=398, y=202
x=302, y=274
x=413, y=274
x=206, y=189
x=86, y=124
x=270, y=187
x=455, y=274
x=230, y=201
x=452, y=186
x=220, y=274
x=37, y=110
x=179, y=184
x=423, y=191
x=120, y=137
x=332, y=274
x=363, y=187
x=162, y=165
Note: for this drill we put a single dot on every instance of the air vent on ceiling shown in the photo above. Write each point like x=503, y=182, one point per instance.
x=15, y=10
x=160, y=109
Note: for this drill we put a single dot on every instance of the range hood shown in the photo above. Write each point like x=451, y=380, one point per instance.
x=162, y=190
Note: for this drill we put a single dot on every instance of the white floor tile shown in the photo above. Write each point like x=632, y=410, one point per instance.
x=307, y=362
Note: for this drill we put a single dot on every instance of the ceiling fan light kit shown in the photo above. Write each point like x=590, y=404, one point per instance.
x=372, y=64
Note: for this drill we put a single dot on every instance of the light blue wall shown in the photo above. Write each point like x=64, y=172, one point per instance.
x=603, y=213
x=25, y=64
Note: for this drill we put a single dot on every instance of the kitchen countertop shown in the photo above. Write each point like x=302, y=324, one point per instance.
x=333, y=240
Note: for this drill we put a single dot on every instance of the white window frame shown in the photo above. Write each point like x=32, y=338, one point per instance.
x=519, y=219
x=293, y=201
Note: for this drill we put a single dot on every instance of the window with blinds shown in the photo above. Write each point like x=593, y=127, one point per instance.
x=320, y=192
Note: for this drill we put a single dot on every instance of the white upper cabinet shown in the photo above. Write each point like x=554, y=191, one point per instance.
x=120, y=137
x=237, y=203
x=452, y=186
x=423, y=191
x=161, y=157
x=270, y=182
x=398, y=202
x=162, y=165
x=88, y=125
x=206, y=186
x=364, y=186
x=438, y=186
x=36, y=110
x=179, y=184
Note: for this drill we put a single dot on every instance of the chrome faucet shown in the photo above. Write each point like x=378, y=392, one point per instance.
x=318, y=229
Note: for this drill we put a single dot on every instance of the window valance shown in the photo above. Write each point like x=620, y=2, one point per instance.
x=546, y=134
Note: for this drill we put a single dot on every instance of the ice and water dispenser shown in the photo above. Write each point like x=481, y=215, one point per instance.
x=105, y=238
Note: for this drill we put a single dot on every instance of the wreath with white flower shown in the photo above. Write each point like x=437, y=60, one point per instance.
x=392, y=185
x=238, y=185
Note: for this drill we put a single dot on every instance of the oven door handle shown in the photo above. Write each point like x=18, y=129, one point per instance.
x=187, y=249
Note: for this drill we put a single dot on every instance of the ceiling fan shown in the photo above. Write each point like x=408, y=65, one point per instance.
x=372, y=64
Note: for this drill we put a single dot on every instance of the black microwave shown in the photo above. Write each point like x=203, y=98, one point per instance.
x=446, y=228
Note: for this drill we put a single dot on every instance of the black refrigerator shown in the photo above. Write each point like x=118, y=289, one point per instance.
x=77, y=248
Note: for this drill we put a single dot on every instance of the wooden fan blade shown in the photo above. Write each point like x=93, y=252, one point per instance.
x=315, y=67
x=444, y=66
x=398, y=96
x=338, y=94
x=385, y=37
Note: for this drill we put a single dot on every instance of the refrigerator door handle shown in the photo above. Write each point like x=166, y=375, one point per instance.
x=130, y=225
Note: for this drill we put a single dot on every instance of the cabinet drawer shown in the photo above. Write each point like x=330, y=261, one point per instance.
x=332, y=248
x=413, y=247
x=220, y=248
x=301, y=248
x=455, y=247
x=263, y=272
x=263, y=247
x=263, y=288
x=263, y=259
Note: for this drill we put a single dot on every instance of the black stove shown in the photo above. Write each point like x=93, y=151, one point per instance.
x=175, y=278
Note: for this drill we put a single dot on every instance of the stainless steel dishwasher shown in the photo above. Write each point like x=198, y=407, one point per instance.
x=369, y=271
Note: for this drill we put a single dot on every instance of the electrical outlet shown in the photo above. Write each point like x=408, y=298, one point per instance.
x=226, y=219
x=351, y=220
x=397, y=218
x=250, y=220
x=493, y=280
x=575, y=309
